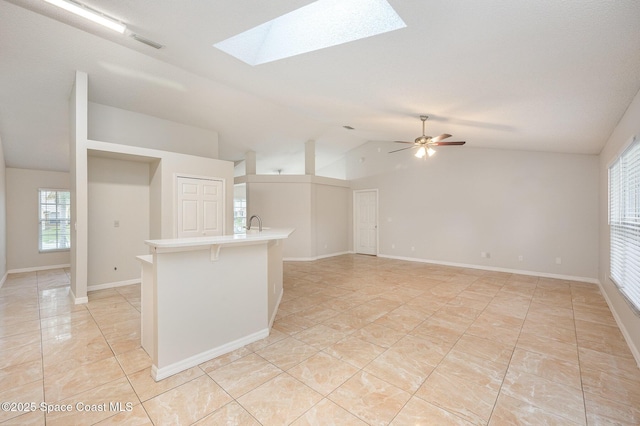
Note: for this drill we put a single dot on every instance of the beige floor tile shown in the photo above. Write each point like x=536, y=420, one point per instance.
x=401, y=368
x=134, y=361
x=273, y=337
x=545, y=366
x=603, y=338
x=244, y=374
x=320, y=336
x=327, y=412
x=19, y=327
x=28, y=338
x=618, y=388
x=547, y=345
x=512, y=412
x=118, y=391
x=464, y=326
x=60, y=356
x=137, y=416
x=77, y=380
x=403, y=319
x=561, y=400
x=187, y=403
x=224, y=359
x=372, y=400
x=323, y=373
x=146, y=388
x=20, y=355
x=32, y=418
x=280, y=400
x=619, y=366
x=292, y=324
x=606, y=411
x=379, y=335
x=356, y=352
x=348, y=322
x=20, y=374
x=76, y=330
x=287, y=353
x=419, y=412
x=484, y=348
x=230, y=414
x=26, y=393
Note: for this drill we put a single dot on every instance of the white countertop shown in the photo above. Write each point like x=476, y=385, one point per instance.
x=252, y=236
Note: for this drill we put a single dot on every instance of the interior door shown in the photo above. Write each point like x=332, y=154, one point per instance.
x=200, y=207
x=366, y=221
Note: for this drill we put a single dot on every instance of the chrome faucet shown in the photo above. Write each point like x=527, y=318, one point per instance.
x=259, y=222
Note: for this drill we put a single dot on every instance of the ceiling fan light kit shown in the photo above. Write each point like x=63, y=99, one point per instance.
x=426, y=143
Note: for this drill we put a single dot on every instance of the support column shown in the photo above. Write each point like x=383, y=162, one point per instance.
x=310, y=157
x=78, y=106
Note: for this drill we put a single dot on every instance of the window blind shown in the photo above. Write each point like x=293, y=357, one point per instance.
x=624, y=222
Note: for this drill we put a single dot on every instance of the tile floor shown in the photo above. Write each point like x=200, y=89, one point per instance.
x=358, y=340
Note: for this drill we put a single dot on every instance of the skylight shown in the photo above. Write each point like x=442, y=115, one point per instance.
x=321, y=24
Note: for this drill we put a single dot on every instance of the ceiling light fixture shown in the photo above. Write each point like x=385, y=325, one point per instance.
x=421, y=152
x=90, y=14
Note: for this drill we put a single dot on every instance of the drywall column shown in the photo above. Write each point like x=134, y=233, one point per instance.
x=78, y=106
x=250, y=163
x=310, y=157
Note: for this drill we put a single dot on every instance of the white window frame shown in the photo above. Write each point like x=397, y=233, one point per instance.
x=42, y=221
x=624, y=223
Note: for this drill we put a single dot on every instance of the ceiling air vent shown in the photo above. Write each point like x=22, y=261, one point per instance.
x=147, y=41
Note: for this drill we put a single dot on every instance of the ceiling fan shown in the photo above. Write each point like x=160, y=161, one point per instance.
x=425, y=143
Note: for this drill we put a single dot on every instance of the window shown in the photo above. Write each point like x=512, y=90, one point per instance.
x=239, y=215
x=624, y=222
x=54, y=210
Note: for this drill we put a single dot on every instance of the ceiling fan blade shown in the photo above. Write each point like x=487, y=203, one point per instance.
x=441, y=137
x=448, y=143
x=401, y=149
x=404, y=142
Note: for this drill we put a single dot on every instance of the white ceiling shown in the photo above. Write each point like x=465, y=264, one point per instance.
x=533, y=75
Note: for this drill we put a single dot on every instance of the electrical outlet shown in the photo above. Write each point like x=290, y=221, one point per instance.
x=116, y=223
x=413, y=248
x=558, y=261
x=520, y=258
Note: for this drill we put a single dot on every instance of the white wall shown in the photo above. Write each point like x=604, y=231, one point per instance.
x=120, y=126
x=283, y=204
x=464, y=201
x=3, y=217
x=331, y=219
x=118, y=191
x=163, y=168
x=22, y=213
x=316, y=207
x=628, y=127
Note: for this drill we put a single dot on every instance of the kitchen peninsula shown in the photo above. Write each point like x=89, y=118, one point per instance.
x=207, y=296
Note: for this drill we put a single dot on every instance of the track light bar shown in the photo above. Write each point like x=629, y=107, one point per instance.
x=90, y=14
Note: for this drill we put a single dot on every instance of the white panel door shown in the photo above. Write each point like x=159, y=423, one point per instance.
x=200, y=207
x=366, y=218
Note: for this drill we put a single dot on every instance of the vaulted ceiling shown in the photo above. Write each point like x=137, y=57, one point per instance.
x=537, y=75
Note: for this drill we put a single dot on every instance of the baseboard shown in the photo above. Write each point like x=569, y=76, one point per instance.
x=39, y=268
x=311, y=259
x=77, y=300
x=634, y=350
x=164, y=372
x=495, y=269
x=2, y=281
x=113, y=284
